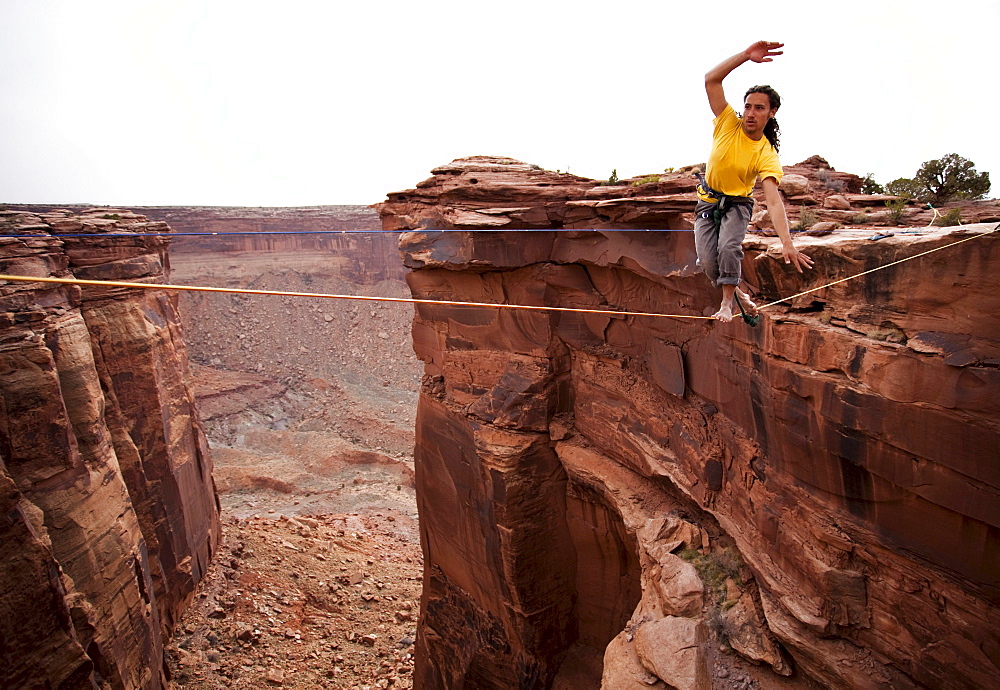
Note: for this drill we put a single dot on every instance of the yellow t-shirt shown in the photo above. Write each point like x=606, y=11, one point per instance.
x=737, y=160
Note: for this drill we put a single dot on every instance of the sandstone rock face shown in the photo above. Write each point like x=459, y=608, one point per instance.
x=105, y=475
x=829, y=476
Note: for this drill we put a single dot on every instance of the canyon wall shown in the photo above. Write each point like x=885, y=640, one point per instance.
x=110, y=510
x=254, y=239
x=608, y=499
x=359, y=255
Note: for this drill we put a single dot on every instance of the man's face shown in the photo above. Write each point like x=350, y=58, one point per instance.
x=757, y=111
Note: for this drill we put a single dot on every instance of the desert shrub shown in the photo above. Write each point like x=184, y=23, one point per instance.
x=612, y=179
x=859, y=218
x=951, y=218
x=717, y=624
x=897, y=209
x=715, y=567
x=646, y=180
x=806, y=220
x=870, y=186
x=828, y=181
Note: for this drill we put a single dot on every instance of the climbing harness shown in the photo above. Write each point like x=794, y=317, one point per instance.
x=723, y=204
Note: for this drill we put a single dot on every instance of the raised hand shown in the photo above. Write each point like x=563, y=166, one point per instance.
x=763, y=51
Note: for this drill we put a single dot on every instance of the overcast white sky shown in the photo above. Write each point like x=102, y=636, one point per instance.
x=219, y=102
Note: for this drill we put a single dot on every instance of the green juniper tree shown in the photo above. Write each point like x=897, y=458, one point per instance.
x=952, y=177
x=944, y=179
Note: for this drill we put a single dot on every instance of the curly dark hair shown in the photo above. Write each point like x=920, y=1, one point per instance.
x=771, y=130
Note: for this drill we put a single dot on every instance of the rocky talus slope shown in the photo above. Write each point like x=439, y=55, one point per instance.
x=110, y=513
x=642, y=502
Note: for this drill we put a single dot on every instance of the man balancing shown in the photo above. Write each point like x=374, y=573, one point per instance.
x=743, y=149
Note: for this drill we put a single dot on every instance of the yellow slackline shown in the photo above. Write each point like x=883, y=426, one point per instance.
x=877, y=268
x=241, y=291
x=408, y=300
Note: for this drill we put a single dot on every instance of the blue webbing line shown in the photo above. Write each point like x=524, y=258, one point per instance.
x=334, y=232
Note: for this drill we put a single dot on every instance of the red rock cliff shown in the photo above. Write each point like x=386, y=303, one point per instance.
x=110, y=515
x=600, y=496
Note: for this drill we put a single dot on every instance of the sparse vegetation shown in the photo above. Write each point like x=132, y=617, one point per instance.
x=806, y=220
x=613, y=179
x=648, y=179
x=715, y=567
x=870, y=186
x=716, y=622
x=111, y=216
x=830, y=182
x=859, y=218
x=897, y=209
x=949, y=219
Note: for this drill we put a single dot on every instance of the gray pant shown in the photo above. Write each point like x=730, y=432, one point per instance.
x=720, y=253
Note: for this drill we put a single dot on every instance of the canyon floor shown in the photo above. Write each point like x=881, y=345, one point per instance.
x=321, y=601
x=309, y=408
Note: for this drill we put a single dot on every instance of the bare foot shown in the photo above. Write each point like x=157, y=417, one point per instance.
x=748, y=304
x=725, y=313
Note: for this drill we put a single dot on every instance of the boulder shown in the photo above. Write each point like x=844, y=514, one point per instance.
x=837, y=202
x=793, y=185
x=672, y=649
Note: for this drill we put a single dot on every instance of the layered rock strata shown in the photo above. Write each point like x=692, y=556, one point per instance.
x=322, y=241
x=611, y=496
x=111, y=514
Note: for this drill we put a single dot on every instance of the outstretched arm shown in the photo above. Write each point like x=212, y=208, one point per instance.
x=761, y=51
x=776, y=209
